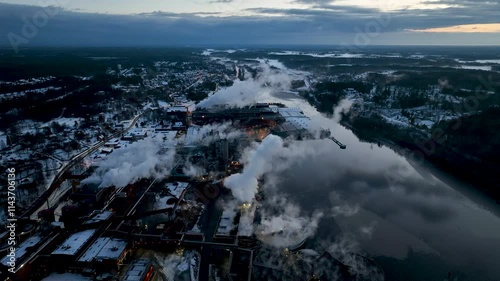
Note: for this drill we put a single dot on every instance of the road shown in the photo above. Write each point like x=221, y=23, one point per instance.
x=46, y=197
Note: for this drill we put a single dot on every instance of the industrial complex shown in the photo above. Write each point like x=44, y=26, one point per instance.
x=103, y=232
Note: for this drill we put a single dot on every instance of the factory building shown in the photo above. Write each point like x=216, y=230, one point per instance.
x=104, y=255
x=139, y=270
x=256, y=114
x=177, y=114
x=66, y=254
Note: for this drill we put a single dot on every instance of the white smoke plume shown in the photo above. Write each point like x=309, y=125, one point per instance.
x=142, y=159
x=367, y=231
x=341, y=207
x=343, y=107
x=246, y=227
x=274, y=80
x=250, y=91
x=244, y=185
x=268, y=159
x=282, y=224
x=193, y=171
x=348, y=251
x=209, y=133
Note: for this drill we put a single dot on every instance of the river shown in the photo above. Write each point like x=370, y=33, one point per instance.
x=415, y=221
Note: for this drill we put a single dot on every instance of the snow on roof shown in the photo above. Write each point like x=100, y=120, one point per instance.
x=192, y=136
x=291, y=112
x=23, y=248
x=163, y=104
x=113, y=142
x=295, y=119
x=190, y=105
x=226, y=222
x=100, y=216
x=74, y=243
x=427, y=123
x=137, y=130
x=161, y=203
x=176, y=188
x=105, y=248
x=274, y=108
x=137, y=270
x=106, y=150
x=300, y=123
x=177, y=109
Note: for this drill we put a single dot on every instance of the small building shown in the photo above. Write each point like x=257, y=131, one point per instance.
x=226, y=223
x=102, y=117
x=136, y=134
x=99, y=216
x=179, y=126
x=139, y=270
x=105, y=254
x=71, y=248
x=24, y=249
x=177, y=114
x=114, y=143
x=106, y=151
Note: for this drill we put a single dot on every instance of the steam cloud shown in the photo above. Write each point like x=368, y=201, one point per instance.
x=344, y=106
x=282, y=224
x=193, y=171
x=142, y=159
x=244, y=185
x=250, y=91
x=348, y=251
x=209, y=133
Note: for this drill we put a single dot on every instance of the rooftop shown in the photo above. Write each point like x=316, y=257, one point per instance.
x=104, y=248
x=23, y=248
x=74, y=243
x=176, y=188
x=226, y=222
x=137, y=270
x=177, y=109
x=99, y=216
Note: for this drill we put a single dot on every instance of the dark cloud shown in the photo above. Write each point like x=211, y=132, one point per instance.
x=326, y=24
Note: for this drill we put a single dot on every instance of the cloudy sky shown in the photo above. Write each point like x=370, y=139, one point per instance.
x=240, y=22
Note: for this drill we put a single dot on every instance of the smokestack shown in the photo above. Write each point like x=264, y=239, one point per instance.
x=224, y=151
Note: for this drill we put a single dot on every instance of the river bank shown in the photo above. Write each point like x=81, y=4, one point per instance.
x=477, y=176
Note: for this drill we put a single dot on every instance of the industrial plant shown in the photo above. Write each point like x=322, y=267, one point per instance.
x=100, y=229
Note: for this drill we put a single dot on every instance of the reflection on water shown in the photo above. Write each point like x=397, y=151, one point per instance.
x=417, y=226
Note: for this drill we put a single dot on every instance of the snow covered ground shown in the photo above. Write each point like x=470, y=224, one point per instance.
x=318, y=55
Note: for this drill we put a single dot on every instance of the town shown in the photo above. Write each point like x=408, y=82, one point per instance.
x=154, y=169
